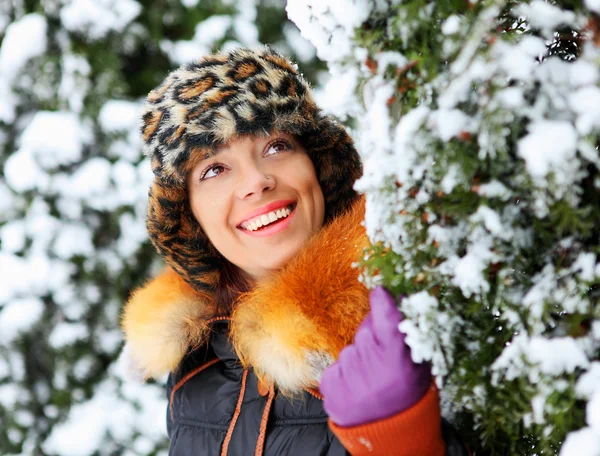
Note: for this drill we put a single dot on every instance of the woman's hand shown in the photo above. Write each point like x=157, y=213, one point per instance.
x=375, y=377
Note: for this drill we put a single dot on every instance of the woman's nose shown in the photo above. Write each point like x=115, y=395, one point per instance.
x=254, y=181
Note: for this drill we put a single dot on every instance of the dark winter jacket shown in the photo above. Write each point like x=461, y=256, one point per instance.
x=203, y=403
x=203, y=409
x=247, y=383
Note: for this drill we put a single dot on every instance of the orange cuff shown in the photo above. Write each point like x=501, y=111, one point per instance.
x=417, y=430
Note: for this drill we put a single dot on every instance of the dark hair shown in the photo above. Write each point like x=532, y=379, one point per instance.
x=232, y=283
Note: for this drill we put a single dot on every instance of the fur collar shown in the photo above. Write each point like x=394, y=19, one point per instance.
x=288, y=328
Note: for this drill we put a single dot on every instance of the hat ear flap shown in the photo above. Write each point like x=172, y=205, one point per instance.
x=179, y=239
x=337, y=164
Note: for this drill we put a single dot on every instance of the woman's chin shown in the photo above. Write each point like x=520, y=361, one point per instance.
x=273, y=263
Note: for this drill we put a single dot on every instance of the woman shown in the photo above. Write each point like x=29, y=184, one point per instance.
x=253, y=210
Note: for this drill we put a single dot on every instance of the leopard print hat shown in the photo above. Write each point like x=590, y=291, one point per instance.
x=199, y=108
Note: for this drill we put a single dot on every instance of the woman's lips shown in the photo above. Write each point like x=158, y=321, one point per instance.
x=266, y=209
x=273, y=228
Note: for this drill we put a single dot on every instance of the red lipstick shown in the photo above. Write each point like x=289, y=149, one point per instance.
x=266, y=209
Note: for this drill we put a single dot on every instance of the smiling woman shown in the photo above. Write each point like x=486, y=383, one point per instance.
x=257, y=195
x=272, y=344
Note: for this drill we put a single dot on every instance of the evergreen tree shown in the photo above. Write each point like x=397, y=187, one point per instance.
x=73, y=191
x=479, y=127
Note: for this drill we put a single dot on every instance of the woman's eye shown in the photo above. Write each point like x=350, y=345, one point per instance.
x=213, y=171
x=277, y=147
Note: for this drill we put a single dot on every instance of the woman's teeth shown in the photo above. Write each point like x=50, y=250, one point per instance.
x=266, y=219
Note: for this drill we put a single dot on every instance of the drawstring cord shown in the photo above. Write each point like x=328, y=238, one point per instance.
x=181, y=382
x=196, y=371
x=260, y=443
x=314, y=392
x=236, y=414
x=221, y=318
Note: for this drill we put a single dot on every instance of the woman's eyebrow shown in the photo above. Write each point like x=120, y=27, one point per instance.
x=210, y=153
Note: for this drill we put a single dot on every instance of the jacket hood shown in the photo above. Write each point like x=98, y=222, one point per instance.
x=289, y=328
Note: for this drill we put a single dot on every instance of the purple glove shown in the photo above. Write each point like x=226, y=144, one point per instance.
x=375, y=377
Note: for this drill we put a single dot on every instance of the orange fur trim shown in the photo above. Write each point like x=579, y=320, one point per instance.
x=288, y=328
x=161, y=321
x=292, y=326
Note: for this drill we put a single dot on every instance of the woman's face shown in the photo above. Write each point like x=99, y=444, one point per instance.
x=258, y=200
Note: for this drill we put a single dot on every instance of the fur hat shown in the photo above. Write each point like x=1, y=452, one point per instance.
x=199, y=108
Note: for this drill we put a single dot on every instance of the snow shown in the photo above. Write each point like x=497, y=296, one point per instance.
x=586, y=103
x=491, y=221
x=328, y=24
x=404, y=141
x=451, y=25
x=549, y=147
x=596, y=323
x=4, y=19
x=511, y=98
x=75, y=83
x=448, y=124
x=535, y=298
x=337, y=96
x=585, y=265
x=133, y=234
x=84, y=431
x=519, y=61
x=593, y=412
x=24, y=418
x=549, y=356
x=125, y=177
x=494, y=189
x=593, y=5
x=140, y=408
x=73, y=239
x=83, y=366
x=446, y=237
x=109, y=341
x=18, y=317
x=422, y=328
x=14, y=272
x=96, y=18
x=421, y=348
x=53, y=139
x=91, y=179
x=22, y=173
x=386, y=58
x=65, y=334
x=545, y=16
x=246, y=31
x=584, y=442
x=538, y=404
x=119, y=115
x=452, y=178
x=12, y=236
x=303, y=49
x=212, y=29
x=582, y=73
x=181, y=52
x=9, y=394
x=558, y=355
x=24, y=40
x=468, y=272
